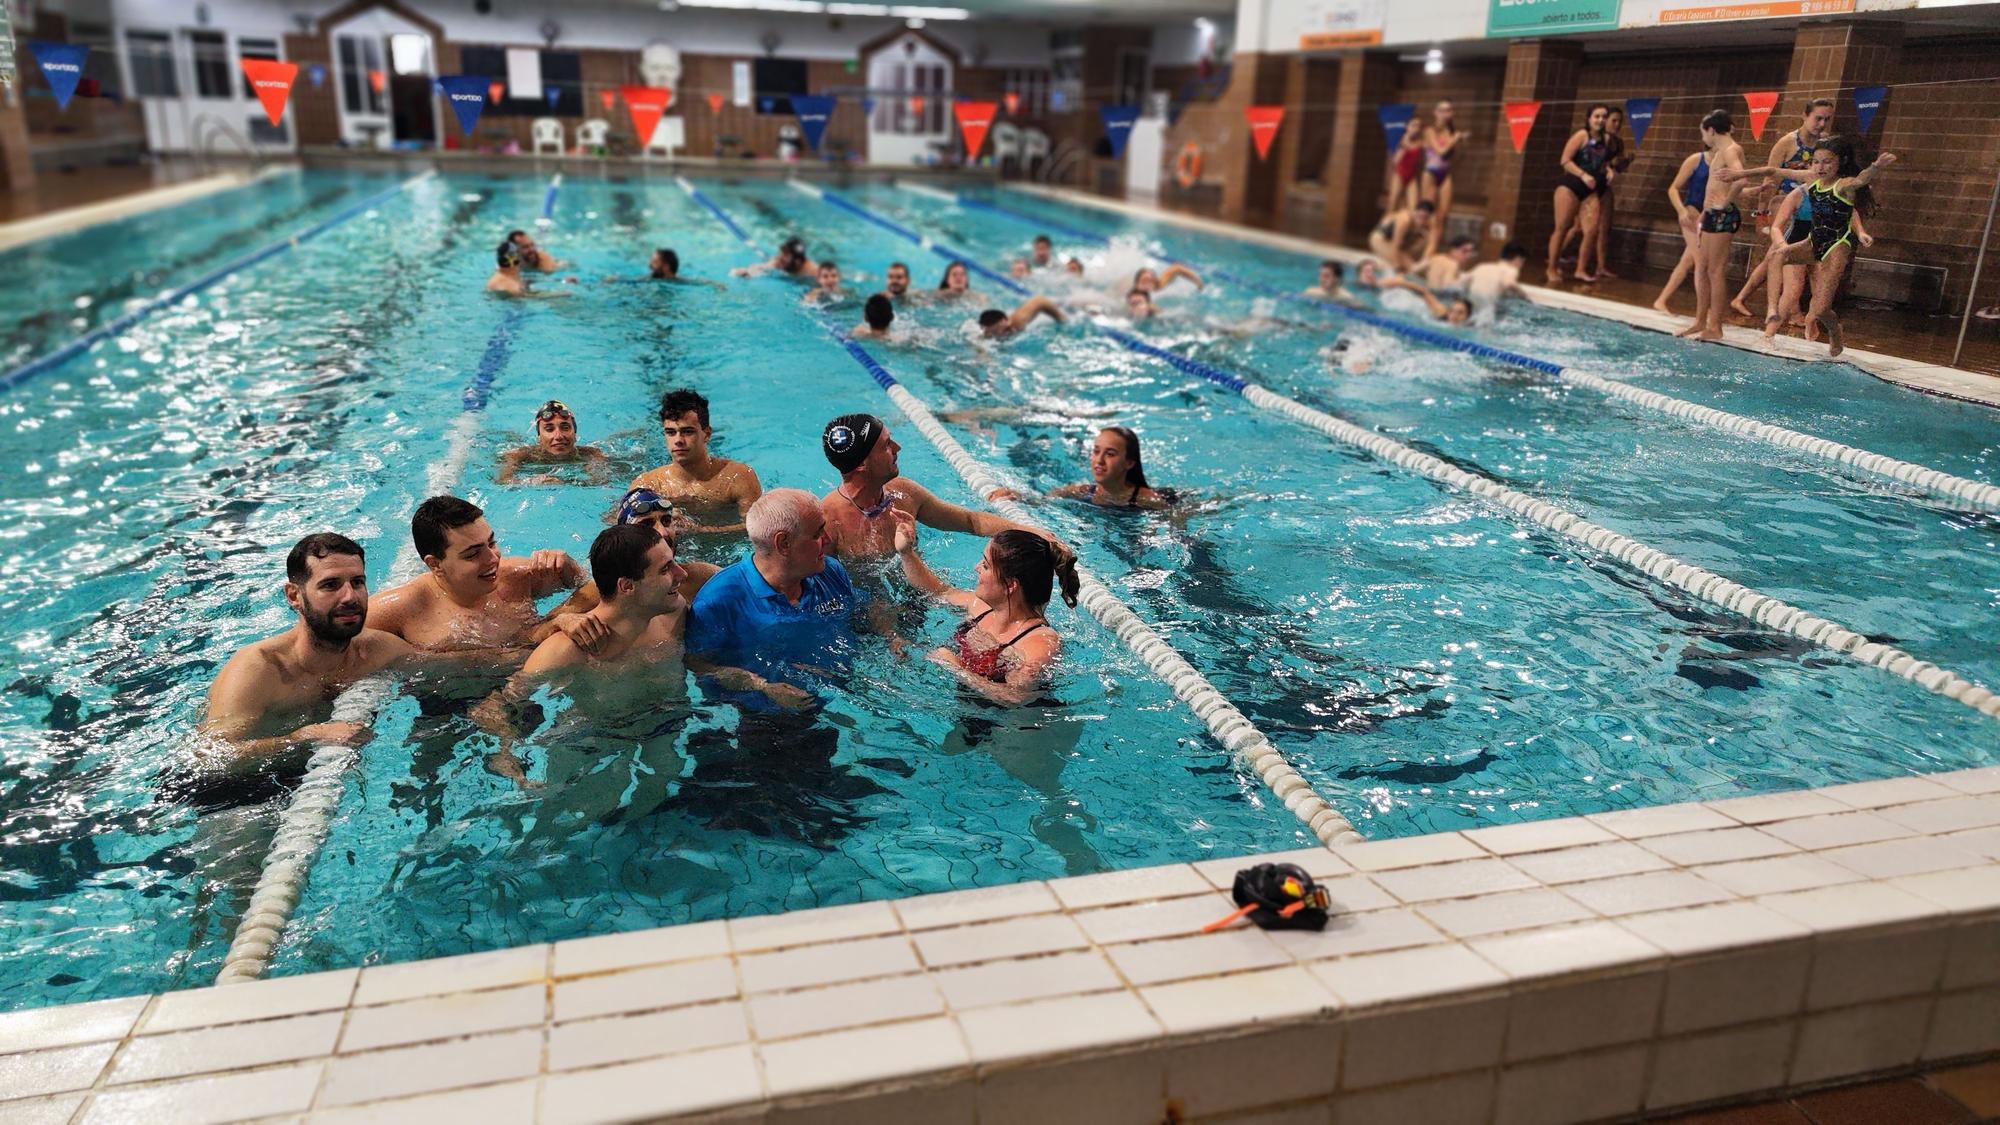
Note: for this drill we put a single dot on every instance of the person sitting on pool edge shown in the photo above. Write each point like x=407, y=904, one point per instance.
x=1117, y=474
x=274, y=696
x=555, y=444
x=507, y=280
x=997, y=325
x=859, y=447
x=470, y=597
x=790, y=260
x=769, y=620
x=1005, y=647
x=877, y=314
x=829, y=288
x=693, y=478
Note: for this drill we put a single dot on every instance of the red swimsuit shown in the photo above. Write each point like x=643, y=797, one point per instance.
x=986, y=661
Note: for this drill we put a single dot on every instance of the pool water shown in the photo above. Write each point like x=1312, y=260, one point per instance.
x=1427, y=663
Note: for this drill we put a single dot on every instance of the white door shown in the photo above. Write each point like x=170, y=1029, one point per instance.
x=898, y=131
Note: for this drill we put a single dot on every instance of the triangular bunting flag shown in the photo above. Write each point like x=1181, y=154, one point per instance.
x=974, y=119
x=1395, y=122
x=814, y=111
x=1118, y=121
x=495, y=91
x=1639, y=114
x=467, y=95
x=1868, y=99
x=607, y=99
x=317, y=73
x=1264, y=122
x=646, y=104
x=377, y=80
x=272, y=82
x=551, y=96
x=1013, y=101
x=916, y=104
x=715, y=102
x=62, y=66
x=1520, y=120
x=1761, y=104
x=867, y=107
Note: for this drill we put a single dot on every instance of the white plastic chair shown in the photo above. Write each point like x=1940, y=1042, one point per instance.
x=1006, y=143
x=546, y=132
x=593, y=133
x=1034, y=146
x=669, y=137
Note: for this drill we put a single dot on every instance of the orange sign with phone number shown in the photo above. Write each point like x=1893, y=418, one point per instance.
x=1756, y=11
x=1335, y=40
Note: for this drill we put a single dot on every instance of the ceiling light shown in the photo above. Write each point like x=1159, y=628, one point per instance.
x=1433, y=66
x=920, y=12
x=810, y=7
x=914, y=23
x=1434, y=53
x=857, y=9
x=1204, y=24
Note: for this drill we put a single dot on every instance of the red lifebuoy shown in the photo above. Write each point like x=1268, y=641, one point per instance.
x=1187, y=165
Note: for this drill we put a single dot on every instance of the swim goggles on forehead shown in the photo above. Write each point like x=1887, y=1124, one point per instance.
x=554, y=408
x=641, y=502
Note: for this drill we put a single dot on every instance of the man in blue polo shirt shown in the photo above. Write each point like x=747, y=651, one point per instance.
x=768, y=622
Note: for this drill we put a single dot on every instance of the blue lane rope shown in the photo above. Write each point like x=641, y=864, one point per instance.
x=940, y=249
x=1179, y=362
x=549, y=200
x=697, y=195
x=498, y=347
x=111, y=328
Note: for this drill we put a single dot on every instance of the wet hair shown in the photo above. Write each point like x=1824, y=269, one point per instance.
x=1850, y=165
x=1461, y=241
x=507, y=254
x=1139, y=292
x=318, y=546
x=1136, y=474
x=900, y=266
x=945, y=281
x=991, y=317
x=793, y=246
x=1458, y=302
x=1041, y=238
x=827, y=264
x=879, y=312
x=1338, y=272
x=1513, y=250
x=1426, y=206
x=1718, y=121
x=620, y=552
x=514, y=234
x=681, y=401
x=436, y=516
x=1035, y=563
x=670, y=263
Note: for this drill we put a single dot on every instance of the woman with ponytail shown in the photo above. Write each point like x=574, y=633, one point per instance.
x=1006, y=645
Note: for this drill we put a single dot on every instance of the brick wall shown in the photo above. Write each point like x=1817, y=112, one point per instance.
x=1475, y=88
x=1947, y=143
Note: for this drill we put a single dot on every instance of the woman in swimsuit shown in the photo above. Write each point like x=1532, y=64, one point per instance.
x=1407, y=167
x=1686, y=193
x=1837, y=195
x=1117, y=474
x=1441, y=141
x=1005, y=647
x=1584, y=175
x=1596, y=219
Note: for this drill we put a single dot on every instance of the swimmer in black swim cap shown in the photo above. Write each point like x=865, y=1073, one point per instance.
x=507, y=279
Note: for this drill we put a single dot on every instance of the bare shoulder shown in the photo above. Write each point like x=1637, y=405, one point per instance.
x=555, y=652
x=390, y=609
x=651, y=478
x=742, y=476
x=915, y=493
x=379, y=649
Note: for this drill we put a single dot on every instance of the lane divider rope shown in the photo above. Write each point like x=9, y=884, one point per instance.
x=1703, y=584
x=549, y=200
x=308, y=817
x=1972, y=492
x=1222, y=718
x=85, y=342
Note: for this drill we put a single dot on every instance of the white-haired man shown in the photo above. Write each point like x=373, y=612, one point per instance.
x=765, y=621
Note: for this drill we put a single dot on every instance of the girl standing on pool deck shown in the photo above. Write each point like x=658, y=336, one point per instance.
x=1441, y=139
x=1584, y=175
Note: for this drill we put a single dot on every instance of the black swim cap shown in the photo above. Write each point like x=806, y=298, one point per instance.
x=849, y=439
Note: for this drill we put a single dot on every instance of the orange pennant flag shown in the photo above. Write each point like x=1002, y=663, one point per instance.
x=1013, y=101
x=272, y=82
x=1264, y=122
x=715, y=103
x=916, y=104
x=377, y=80
x=1761, y=105
x=1520, y=120
x=647, y=103
x=495, y=92
x=974, y=118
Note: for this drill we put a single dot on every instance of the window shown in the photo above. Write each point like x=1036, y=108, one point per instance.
x=150, y=55
x=359, y=56
x=562, y=72
x=1032, y=88
x=929, y=82
x=255, y=49
x=102, y=64
x=210, y=51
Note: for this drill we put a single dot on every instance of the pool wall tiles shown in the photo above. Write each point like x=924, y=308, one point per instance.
x=1564, y=970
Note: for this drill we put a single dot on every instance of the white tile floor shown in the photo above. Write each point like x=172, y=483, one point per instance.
x=1653, y=958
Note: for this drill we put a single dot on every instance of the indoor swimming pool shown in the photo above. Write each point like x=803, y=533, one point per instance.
x=1425, y=660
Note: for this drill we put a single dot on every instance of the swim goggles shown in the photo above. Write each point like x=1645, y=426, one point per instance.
x=644, y=502
x=554, y=408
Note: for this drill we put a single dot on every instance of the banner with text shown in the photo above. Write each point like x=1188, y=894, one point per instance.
x=1118, y=121
x=62, y=67
x=1549, y=17
x=1639, y=113
x=1520, y=120
x=1334, y=25
x=974, y=118
x=1395, y=122
x=271, y=81
x=1264, y=122
x=468, y=95
x=646, y=104
x=1761, y=104
x=1867, y=100
x=1655, y=13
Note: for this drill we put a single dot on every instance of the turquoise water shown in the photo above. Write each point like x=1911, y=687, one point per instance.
x=1427, y=663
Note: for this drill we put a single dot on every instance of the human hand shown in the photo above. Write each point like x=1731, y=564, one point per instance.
x=1867, y=240
x=334, y=734
x=906, y=530
x=586, y=632
x=1884, y=160
x=550, y=563
x=1589, y=181
x=1003, y=494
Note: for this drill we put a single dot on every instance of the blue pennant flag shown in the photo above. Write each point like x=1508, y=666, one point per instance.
x=553, y=95
x=868, y=107
x=467, y=95
x=814, y=111
x=1868, y=99
x=62, y=65
x=1118, y=121
x=1395, y=122
x=1639, y=115
x=317, y=73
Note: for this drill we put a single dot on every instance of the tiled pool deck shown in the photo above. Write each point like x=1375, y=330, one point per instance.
x=1564, y=970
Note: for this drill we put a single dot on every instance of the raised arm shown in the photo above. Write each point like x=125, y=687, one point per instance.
x=916, y=570
x=946, y=516
x=1168, y=275
x=1868, y=174
x=1430, y=300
